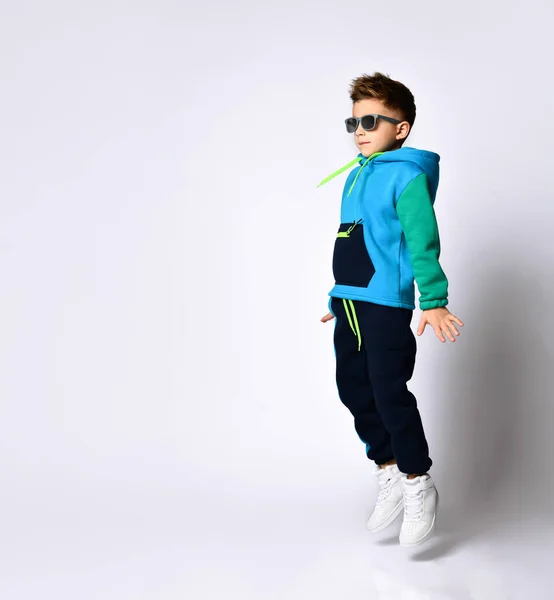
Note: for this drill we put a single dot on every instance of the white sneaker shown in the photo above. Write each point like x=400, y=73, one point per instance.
x=390, y=499
x=421, y=501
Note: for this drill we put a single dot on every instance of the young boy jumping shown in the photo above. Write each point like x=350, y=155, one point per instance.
x=388, y=236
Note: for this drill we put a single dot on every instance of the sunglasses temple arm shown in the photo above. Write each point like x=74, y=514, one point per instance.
x=393, y=121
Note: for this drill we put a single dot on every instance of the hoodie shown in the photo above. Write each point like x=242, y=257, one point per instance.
x=388, y=235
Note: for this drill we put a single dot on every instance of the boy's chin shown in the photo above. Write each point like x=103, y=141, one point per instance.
x=369, y=150
x=366, y=150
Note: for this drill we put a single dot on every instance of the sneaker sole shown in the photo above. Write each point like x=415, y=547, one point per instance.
x=428, y=534
x=389, y=521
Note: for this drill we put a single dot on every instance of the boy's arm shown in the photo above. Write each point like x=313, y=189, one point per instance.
x=419, y=224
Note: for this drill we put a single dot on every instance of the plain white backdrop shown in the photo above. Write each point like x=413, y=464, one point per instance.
x=169, y=422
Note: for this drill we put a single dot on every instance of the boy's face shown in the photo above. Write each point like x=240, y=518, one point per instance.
x=385, y=136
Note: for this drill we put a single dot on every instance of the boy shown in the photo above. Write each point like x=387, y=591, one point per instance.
x=388, y=236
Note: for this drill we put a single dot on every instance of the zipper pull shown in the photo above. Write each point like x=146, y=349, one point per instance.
x=352, y=227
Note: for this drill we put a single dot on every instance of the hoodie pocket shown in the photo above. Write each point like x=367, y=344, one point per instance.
x=351, y=261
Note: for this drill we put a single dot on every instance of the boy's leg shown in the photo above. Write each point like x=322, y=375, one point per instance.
x=390, y=350
x=354, y=387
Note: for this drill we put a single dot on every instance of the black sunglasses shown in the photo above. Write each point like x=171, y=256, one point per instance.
x=368, y=122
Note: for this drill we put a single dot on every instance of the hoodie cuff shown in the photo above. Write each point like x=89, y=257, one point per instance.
x=430, y=304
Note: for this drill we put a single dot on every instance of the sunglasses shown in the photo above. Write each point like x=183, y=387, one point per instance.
x=368, y=122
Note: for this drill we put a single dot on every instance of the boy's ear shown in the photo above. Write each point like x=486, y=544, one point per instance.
x=402, y=130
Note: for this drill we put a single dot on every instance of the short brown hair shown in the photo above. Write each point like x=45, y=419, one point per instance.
x=393, y=94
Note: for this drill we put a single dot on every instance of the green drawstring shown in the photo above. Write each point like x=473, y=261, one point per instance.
x=357, y=175
x=350, y=164
x=354, y=326
x=341, y=170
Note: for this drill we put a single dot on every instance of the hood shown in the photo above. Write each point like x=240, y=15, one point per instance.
x=425, y=160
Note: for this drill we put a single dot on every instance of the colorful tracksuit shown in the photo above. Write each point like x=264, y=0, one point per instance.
x=388, y=236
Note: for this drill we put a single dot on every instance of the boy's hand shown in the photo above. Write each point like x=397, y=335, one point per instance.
x=442, y=321
x=328, y=317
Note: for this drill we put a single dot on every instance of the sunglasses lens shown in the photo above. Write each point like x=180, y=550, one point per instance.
x=351, y=125
x=368, y=122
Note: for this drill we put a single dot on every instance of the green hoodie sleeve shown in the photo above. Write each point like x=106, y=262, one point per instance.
x=419, y=224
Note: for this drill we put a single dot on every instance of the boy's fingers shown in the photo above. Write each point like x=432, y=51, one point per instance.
x=449, y=334
x=438, y=332
x=453, y=328
x=454, y=318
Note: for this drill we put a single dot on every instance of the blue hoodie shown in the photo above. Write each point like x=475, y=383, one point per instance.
x=388, y=234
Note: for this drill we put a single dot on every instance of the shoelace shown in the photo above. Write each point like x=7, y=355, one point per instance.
x=413, y=505
x=385, y=481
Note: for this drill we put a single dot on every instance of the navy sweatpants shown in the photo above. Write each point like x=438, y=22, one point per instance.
x=375, y=352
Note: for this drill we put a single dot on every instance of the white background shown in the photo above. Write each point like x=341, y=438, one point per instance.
x=169, y=423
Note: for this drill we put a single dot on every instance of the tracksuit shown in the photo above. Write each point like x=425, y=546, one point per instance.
x=388, y=237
